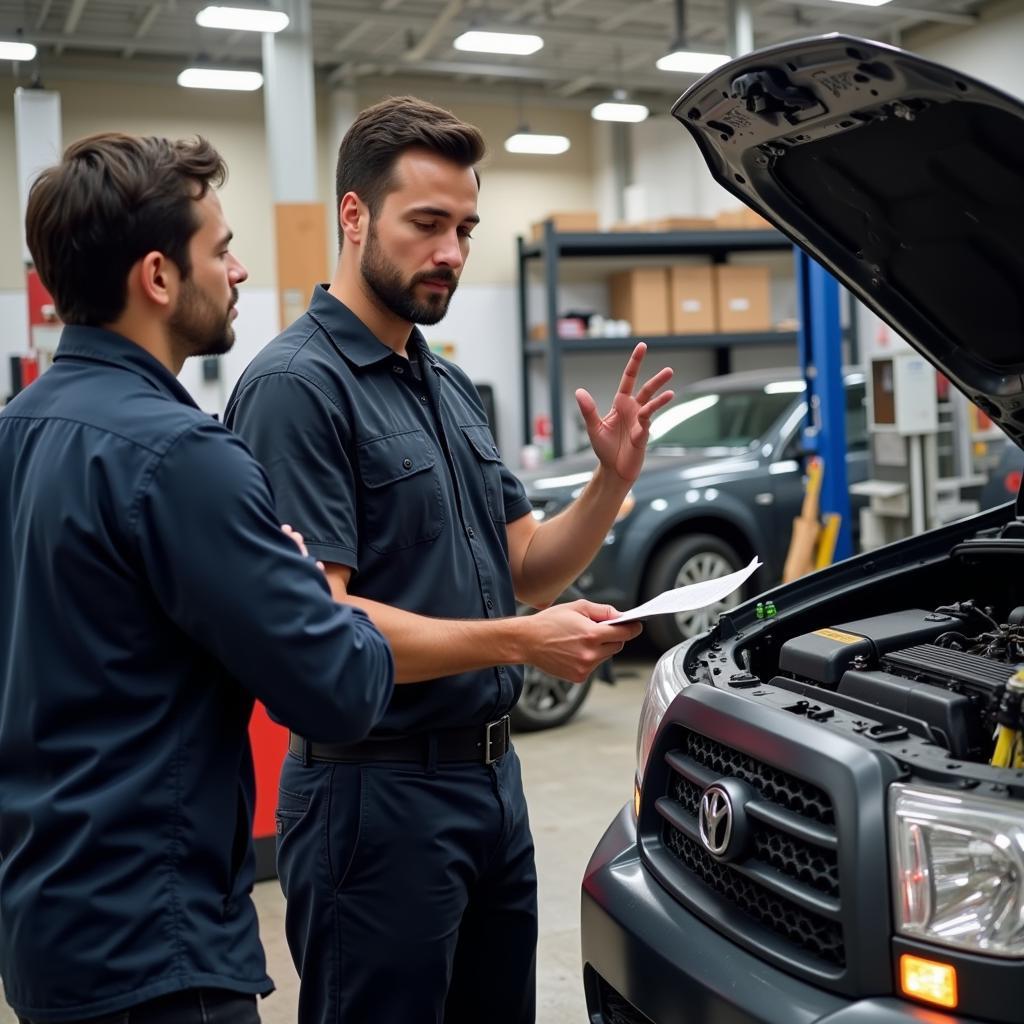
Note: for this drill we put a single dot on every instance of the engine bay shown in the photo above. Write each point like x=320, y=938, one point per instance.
x=944, y=672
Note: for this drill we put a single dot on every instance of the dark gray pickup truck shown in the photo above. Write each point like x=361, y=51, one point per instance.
x=825, y=828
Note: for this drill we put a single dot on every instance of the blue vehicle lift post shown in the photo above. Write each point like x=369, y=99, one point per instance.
x=821, y=358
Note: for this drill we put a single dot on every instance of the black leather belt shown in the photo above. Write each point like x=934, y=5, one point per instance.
x=483, y=743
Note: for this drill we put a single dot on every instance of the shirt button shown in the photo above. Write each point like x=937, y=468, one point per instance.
x=423, y=399
x=469, y=532
x=490, y=603
x=407, y=463
x=398, y=369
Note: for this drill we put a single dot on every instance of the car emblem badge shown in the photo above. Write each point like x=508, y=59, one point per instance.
x=715, y=820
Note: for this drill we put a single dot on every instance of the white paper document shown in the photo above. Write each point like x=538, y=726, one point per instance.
x=688, y=599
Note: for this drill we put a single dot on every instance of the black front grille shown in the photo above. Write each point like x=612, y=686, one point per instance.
x=790, y=869
x=793, y=856
x=779, y=787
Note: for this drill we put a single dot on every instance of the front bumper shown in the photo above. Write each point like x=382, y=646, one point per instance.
x=647, y=960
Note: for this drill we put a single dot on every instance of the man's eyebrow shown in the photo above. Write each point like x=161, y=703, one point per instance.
x=226, y=240
x=437, y=211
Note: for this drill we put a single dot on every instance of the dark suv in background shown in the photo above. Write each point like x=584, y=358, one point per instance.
x=828, y=822
x=722, y=482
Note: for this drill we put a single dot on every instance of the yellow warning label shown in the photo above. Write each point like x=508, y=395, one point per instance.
x=838, y=635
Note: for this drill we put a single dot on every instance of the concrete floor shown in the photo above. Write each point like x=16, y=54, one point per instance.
x=576, y=778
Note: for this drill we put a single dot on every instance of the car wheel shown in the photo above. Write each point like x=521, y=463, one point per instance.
x=547, y=701
x=679, y=563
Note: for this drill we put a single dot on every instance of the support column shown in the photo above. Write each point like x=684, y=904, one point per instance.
x=821, y=356
x=290, y=115
x=38, y=145
x=741, y=27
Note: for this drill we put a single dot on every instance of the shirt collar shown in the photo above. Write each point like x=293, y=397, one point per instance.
x=353, y=339
x=102, y=346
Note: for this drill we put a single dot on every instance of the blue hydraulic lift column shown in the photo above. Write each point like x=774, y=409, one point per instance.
x=820, y=340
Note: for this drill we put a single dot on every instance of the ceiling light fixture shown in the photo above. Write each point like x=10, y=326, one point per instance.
x=220, y=78
x=242, y=19
x=525, y=141
x=682, y=58
x=10, y=50
x=618, y=108
x=517, y=44
x=864, y=3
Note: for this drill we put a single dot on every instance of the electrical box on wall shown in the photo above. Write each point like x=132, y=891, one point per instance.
x=903, y=395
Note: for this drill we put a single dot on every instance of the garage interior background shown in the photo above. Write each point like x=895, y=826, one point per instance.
x=115, y=64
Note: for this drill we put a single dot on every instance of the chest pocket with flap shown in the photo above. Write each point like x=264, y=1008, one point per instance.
x=403, y=504
x=486, y=452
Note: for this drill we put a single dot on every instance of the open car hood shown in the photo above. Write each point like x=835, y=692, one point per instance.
x=903, y=177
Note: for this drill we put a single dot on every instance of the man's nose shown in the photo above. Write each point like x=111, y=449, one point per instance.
x=449, y=252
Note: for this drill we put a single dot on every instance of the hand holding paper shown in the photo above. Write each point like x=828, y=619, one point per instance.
x=696, y=595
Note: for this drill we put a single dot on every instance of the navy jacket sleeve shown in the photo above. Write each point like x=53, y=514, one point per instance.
x=300, y=437
x=223, y=571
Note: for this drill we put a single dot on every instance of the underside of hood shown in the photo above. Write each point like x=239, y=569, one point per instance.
x=902, y=177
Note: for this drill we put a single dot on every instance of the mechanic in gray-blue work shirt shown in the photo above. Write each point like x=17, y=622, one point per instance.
x=147, y=596
x=407, y=859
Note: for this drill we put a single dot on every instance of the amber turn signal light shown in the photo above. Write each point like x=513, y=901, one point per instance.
x=928, y=980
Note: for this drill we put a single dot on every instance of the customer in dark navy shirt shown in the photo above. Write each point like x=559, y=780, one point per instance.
x=147, y=595
x=407, y=859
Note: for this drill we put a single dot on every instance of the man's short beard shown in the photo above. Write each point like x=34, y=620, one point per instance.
x=198, y=327
x=397, y=296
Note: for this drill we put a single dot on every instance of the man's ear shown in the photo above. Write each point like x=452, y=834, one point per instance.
x=156, y=279
x=353, y=217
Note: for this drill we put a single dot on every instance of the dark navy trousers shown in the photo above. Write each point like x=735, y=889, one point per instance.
x=193, y=1006
x=411, y=892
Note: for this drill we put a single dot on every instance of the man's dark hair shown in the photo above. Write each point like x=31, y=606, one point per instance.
x=112, y=199
x=382, y=133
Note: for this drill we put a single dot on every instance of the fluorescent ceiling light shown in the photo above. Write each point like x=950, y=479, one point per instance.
x=242, y=19
x=517, y=43
x=691, y=62
x=864, y=3
x=16, y=51
x=220, y=78
x=529, y=142
x=615, y=110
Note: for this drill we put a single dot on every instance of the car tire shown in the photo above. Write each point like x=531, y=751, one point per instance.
x=689, y=559
x=547, y=701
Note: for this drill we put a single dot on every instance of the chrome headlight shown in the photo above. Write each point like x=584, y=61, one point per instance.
x=958, y=863
x=666, y=681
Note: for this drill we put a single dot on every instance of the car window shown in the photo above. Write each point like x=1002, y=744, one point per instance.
x=856, y=419
x=856, y=424
x=729, y=419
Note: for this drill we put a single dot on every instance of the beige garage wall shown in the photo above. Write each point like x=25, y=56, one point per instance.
x=516, y=190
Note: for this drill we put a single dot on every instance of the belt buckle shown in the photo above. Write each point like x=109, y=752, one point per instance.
x=497, y=742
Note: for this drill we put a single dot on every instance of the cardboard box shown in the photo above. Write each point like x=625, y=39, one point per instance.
x=666, y=224
x=580, y=220
x=743, y=298
x=741, y=218
x=692, y=300
x=641, y=297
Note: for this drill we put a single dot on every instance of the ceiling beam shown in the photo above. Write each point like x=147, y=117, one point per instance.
x=71, y=21
x=352, y=36
x=575, y=86
x=433, y=35
x=44, y=13
x=143, y=27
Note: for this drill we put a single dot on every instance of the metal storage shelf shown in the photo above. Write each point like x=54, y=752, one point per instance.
x=556, y=246
x=570, y=346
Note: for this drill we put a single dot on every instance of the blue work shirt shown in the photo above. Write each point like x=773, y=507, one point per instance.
x=398, y=478
x=147, y=595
